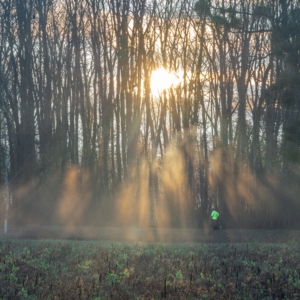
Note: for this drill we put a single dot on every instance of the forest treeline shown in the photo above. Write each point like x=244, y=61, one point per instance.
x=84, y=140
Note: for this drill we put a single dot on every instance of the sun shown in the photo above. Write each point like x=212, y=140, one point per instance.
x=161, y=80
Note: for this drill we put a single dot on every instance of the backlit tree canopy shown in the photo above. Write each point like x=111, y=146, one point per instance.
x=150, y=112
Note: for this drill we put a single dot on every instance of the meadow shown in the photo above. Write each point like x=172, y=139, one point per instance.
x=94, y=269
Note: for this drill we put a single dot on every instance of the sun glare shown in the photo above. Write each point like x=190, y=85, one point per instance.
x=161, y=80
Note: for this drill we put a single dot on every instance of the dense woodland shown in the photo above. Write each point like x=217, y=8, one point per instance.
x=85, y=141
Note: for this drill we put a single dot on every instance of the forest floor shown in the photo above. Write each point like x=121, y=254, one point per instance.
x=150, y=235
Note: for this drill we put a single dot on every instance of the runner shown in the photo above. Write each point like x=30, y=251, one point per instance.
x=215, y=215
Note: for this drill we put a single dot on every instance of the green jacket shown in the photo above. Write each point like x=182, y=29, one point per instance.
x=214, y=215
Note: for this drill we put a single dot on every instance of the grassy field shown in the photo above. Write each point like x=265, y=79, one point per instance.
x=32, y=268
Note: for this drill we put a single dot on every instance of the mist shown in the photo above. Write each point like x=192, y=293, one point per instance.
x=155, y=197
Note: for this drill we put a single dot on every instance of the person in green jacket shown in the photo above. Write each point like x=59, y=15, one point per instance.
x=214, y=215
